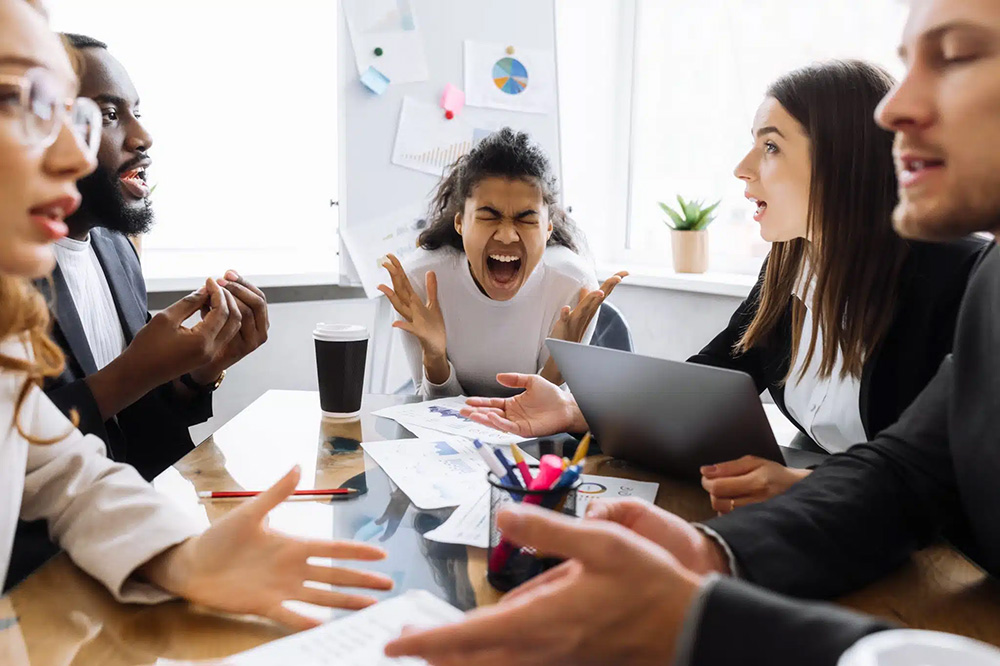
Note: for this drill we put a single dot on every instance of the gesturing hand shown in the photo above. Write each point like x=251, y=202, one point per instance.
x=238, y=565
x=252, y=306
x=573, y=322
x=422, y=320
x=541, y=409
x=747, y=480
x=165, y=349
x=641, y=590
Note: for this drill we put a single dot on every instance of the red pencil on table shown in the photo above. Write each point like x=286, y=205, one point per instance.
x=230, y=494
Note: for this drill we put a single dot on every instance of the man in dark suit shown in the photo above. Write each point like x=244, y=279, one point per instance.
x=138, y=382
x=641, y=586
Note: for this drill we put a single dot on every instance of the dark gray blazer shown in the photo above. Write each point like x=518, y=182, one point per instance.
x=152, y=433
x=863, y=512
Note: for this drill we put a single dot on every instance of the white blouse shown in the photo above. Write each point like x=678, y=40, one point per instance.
x=102, y=513
x=829, y=410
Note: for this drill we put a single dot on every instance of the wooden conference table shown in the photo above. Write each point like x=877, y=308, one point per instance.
x=60, y=616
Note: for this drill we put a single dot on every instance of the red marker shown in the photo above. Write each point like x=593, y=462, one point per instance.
x=231, y=494
x=449, y=114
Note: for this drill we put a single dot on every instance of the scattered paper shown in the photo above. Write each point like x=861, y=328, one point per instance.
x=358, y=639
x=427, y=141
x=434, y=474
x=469, y=524
x=388, y=26
x=443, y=415
x=452, y=99
x=369, y=241
x=375, y=80
x=522, y=81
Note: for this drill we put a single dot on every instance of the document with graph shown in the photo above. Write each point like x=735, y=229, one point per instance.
x=428, y=141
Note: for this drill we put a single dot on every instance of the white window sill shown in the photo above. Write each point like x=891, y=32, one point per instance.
x=183, y=270
x=712, y=282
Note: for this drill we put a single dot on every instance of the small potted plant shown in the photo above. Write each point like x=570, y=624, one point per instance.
x=688, y=237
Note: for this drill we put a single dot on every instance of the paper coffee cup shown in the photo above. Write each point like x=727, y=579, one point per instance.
x=341, y=350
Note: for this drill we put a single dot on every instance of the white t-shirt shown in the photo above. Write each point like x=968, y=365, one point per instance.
x=92, y=296
x=486, y=337
x=828, y=409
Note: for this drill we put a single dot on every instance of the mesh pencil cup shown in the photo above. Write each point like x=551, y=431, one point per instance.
x=508, y=566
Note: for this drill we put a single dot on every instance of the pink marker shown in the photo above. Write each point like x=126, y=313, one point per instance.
x=548, y=474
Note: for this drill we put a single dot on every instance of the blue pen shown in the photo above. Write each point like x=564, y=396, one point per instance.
x=565, y=480
x=509, y=478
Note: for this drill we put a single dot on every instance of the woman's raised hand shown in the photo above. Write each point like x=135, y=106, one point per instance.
x=573, y=322
x=421, y=319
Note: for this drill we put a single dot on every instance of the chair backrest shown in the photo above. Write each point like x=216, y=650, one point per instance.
x=612, y=330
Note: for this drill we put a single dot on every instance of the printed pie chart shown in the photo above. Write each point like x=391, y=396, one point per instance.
x=510, y=76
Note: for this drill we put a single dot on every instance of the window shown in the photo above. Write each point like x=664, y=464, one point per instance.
x=687, y=94
x=240, y=98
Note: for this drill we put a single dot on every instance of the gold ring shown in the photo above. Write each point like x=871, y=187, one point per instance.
x=732, y=504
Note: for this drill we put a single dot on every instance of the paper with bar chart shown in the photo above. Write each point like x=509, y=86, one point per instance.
x=429, y=142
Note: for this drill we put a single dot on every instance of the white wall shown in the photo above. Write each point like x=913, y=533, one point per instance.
x=672, y=324
x=665, y=323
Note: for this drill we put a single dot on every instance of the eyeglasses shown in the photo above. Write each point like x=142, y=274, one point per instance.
x=41, y=112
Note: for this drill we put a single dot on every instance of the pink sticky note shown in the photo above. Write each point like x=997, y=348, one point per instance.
x=452, y=99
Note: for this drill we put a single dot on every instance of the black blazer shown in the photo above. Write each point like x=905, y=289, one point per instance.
x=150, y=434
x=932, y=283
x=863, y=512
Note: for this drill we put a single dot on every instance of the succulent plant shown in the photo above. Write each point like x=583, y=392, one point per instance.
x=693, y=216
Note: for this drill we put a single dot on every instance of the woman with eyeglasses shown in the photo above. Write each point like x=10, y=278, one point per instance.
x=112, y=524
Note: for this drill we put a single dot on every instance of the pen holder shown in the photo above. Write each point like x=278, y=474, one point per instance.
x=508, y=566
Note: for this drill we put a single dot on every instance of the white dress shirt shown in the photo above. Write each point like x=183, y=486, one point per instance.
x=101, y=512
x=829, y=409
x=484, y=336
x=92, y=297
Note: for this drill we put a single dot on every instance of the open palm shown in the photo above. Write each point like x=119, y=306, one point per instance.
x=239, y=565
x=423, y=320
x=542, y=409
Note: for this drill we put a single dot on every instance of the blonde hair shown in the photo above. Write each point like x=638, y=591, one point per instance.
x=25, y=315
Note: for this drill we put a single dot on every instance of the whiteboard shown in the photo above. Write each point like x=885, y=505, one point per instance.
x=371, y=186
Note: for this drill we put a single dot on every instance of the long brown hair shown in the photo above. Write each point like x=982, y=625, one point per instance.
x=855, y=256
x=507, y=154
x=24, y=314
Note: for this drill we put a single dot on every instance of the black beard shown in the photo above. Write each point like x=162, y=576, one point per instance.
x=104, y=203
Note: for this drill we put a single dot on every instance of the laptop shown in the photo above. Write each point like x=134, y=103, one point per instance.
x=669, y=416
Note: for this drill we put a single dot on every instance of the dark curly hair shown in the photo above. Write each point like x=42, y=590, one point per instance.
x=504, y=154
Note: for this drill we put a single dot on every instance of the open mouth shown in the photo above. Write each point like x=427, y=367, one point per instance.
x=503, y=269
x=912, y=171
x=134, y=182
x=761, y=208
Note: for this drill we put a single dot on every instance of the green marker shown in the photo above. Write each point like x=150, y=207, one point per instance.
x=378, y=50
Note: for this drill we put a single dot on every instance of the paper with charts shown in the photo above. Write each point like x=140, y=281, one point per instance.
x=524, y=80
x=469, y=524
x=444, y=416
x=370, y=241
x=358, y=639
x=434, y=474
x=429, y=142
x=391, y=27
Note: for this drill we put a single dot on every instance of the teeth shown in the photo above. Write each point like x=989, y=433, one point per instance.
x=505, y=258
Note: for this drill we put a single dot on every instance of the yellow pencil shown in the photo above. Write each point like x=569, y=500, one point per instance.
x=581, y=451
